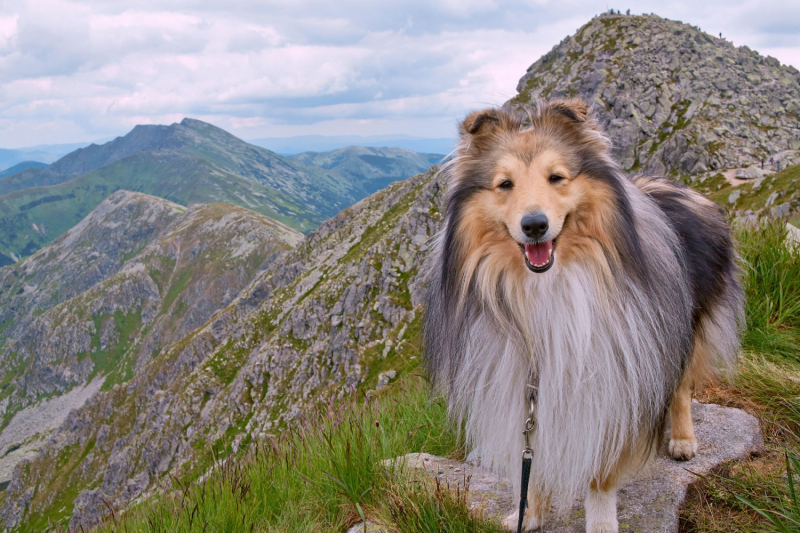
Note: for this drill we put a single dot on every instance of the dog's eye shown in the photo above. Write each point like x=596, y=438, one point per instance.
x=506, y=184
x=555, y=178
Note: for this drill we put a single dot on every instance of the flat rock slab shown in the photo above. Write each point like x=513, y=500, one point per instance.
x=648, y=503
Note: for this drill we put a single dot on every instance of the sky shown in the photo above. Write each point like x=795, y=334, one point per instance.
x=75, y=71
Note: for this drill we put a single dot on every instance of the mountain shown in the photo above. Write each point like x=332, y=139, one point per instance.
x=673, y=99
x=370, y=169
x=327, y=143
x=19, y=167
x=186, y=163
x=43, y=153
x=338, y=311
x=90, y=310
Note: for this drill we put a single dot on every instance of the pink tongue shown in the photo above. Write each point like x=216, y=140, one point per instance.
x=539, y=253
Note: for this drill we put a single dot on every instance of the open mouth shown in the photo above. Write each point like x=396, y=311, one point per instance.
x=539, y=256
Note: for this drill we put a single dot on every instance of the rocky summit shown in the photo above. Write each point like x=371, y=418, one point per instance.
x=672, y=98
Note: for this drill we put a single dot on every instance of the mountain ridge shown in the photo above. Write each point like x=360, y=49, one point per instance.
x=187, y=162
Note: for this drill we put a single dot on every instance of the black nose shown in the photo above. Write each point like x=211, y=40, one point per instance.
x=535, y=225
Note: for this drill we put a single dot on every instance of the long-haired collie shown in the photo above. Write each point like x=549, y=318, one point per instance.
x=611, y=296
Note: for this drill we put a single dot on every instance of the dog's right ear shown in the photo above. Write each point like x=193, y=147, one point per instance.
x=479, y=129
x=488, y=119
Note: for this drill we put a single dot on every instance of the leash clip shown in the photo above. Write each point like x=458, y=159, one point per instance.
x=530, y=425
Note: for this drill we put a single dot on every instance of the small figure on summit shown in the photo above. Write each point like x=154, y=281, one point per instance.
x=628, y=12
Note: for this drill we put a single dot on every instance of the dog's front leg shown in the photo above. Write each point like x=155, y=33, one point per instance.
x=601, y=508
x=534, y=514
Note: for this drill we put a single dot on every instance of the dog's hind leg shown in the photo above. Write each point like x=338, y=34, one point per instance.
x=601, y=507
x=682, y=443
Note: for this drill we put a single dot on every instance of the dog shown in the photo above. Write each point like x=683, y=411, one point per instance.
x=562, y=288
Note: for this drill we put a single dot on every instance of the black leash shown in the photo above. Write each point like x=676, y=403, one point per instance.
x=527, y=460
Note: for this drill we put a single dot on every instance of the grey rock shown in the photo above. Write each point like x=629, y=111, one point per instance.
x=384, y=378
x=370, y=527
x=753, y=172
x=781, y=211
x=649, y=502
x=772, y=197
x=793, y=234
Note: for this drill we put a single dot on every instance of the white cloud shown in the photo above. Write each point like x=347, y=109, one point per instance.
x=82, y=70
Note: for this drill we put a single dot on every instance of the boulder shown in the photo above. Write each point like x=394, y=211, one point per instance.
x=753, y=173
x=649, y=502
x=793, y=234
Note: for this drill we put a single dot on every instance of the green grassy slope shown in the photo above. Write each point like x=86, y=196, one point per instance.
x=325, y=476
x=777, y=188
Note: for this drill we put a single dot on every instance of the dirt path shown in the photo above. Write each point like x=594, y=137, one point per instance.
x=730, y=176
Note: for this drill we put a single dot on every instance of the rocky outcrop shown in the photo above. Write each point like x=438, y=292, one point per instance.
x=672, y=98
x=649, y=502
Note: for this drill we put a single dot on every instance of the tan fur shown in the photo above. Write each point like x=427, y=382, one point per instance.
x=683, y=444
x=579, y=211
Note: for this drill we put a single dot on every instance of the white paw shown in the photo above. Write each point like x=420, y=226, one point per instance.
x=531, y=522
x=682, y=449
x=603, y=527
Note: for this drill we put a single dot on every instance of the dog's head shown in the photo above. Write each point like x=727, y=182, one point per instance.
x=530, y=186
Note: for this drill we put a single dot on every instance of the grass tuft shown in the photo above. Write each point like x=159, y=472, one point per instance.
x=324, y=475
x=772, y=288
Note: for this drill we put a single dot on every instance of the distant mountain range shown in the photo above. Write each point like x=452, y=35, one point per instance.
x=48, y=153
x=43, y=153
x=19, y=167
x=189, y=163
x=370, y=169
x=326, y=143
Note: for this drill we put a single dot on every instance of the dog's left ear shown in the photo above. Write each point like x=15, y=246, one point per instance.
x=575, y=109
